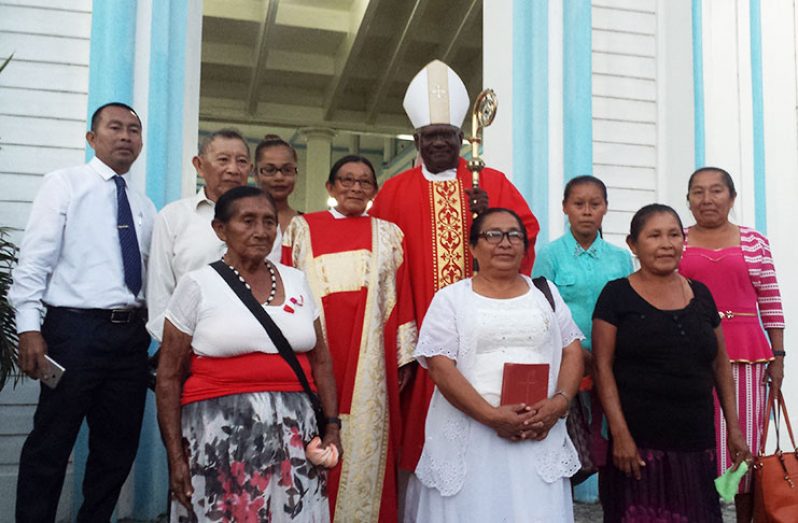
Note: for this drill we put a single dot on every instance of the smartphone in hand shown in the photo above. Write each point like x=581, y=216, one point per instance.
x=51, y=373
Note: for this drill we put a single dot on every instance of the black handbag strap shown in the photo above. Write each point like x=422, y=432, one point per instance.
x=540, y=283
x=274, y=332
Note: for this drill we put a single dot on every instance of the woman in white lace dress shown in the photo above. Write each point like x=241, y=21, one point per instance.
x=482, y=461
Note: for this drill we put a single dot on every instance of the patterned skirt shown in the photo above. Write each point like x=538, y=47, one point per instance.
x=247, y=460
x=675, y=487
x=751, y=393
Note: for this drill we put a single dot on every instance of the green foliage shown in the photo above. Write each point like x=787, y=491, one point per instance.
x=8, y=329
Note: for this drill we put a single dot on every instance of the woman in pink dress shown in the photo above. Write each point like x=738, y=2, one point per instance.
x=736, y=264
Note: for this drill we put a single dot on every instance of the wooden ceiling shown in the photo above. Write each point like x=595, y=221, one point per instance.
x=342, y=64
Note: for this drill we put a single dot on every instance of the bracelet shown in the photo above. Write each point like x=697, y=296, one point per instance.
x=333, y=420
x=779, y=353
x=563, y=394
x=567, y=402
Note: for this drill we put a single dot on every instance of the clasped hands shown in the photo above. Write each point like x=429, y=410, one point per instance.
x=521, y=422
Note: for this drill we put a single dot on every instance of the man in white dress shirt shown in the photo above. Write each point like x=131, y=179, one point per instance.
x=81, y=268
x=183, y=239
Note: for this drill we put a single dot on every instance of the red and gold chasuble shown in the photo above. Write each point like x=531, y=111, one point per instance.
x=355, y=268
x=436, y=220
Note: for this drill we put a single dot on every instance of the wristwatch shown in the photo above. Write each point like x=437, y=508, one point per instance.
x=333, y=420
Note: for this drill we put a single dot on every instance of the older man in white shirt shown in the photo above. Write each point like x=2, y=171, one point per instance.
x=81, y=267
x=183, y=239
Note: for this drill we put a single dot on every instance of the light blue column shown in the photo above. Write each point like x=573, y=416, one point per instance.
x=165, y=110
x=578, y=125
x=760, y=196
x=164, y=171
x=577, y=89
x=111, y=78
x=531, y=107
x=698, y=86
x=112, y=55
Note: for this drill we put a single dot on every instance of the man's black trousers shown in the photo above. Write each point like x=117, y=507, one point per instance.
x=105, y=383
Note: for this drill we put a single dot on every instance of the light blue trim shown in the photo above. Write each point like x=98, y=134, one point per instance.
x=165, y=154
x=757, y=102
x=112, y=55
x=577, y=89
x=698, y=86
x=577, y=104
x=165, y=106
x=531, y=107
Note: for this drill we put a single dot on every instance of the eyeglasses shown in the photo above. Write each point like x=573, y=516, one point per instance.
x=495, y=236
x=348, y=182
x=271, y=170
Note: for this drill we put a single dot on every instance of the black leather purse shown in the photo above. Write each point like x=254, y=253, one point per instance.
x=577, y=420
x=276, y=335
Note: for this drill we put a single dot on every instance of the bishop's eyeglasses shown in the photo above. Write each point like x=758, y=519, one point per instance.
x=495, y=236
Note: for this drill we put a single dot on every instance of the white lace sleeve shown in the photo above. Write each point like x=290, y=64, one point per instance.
x=183, y=307
x=438, y=335
x=569, y=331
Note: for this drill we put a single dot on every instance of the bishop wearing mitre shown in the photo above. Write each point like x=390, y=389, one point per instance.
x=433, y=204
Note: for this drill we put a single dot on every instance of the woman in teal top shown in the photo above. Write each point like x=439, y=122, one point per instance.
x=581, y=263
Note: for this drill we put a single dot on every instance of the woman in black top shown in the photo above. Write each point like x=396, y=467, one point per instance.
x=659, y=352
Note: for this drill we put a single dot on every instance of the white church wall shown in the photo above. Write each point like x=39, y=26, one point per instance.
x=675, y=137
x=780, y=94
x=625, y=107
x=43, y=94
x=43, y=97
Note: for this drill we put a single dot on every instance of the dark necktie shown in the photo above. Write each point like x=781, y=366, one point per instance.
x=131, y=256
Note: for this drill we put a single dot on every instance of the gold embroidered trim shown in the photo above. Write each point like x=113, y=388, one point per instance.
x=341, y=272
x=448, y=232
x=407, y=337
x=438, y=92
x=297, y=236
x=365, y=435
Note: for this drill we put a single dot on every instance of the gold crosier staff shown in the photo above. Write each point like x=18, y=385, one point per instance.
x=482, y=115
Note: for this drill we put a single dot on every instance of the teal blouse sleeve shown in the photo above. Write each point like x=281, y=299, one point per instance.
x=544, y=263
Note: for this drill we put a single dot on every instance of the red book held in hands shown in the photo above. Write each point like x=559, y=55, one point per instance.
x=525, y=383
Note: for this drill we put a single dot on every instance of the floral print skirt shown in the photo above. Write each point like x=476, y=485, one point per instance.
x=247, y=460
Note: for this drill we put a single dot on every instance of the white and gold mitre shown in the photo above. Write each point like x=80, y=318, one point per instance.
x=436, y=96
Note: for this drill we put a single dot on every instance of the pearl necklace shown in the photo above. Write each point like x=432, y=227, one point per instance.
x=272, y=273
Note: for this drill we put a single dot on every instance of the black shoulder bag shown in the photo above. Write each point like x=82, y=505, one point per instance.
x=276, y=335
x=578, y=414
x=540, y=283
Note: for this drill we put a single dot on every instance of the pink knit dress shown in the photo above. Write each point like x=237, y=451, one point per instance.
x=742, y=279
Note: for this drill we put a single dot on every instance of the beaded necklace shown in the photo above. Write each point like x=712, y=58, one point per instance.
x=272, y=273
